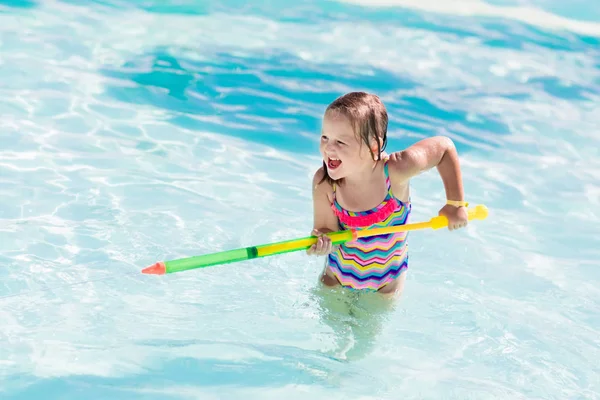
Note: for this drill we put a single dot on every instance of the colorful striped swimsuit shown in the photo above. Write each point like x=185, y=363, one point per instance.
x=372, y=262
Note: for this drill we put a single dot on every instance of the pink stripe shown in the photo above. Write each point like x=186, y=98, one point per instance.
x=359, y=221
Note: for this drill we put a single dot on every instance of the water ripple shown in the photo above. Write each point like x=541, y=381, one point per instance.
x=154, y=133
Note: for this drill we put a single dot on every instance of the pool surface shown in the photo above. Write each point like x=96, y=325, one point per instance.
x=138, y=131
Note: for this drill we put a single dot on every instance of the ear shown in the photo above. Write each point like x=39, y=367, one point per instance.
x=375, y=147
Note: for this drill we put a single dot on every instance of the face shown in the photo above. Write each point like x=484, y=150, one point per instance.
x=342, y=150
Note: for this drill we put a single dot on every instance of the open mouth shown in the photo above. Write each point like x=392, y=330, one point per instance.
x=333, y=163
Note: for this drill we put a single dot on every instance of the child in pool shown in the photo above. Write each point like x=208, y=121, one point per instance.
x=361, y=187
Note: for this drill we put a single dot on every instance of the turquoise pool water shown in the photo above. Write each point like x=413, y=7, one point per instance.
x=137, y=131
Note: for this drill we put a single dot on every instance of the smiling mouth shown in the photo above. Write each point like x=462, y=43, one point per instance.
x=333, y=163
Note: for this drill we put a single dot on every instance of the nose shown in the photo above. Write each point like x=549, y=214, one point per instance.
x=329, y=148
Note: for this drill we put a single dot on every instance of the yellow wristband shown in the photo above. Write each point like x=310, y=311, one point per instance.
x=457, y=203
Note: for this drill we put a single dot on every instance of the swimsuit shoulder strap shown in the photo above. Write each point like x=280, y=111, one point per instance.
x=388, y=182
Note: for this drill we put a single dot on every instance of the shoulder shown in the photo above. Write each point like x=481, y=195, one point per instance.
x=319, y=176
x=419, y=157
x=320, y=184
x=401, y=164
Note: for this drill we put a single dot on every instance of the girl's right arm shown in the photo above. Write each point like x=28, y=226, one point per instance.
x=324, y=220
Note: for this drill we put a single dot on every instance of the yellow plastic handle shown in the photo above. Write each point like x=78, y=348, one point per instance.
x=478, y=212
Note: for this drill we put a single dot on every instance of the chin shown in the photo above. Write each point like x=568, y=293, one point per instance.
x=335, y=174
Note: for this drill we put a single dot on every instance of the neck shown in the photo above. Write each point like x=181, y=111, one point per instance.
x=362, y=178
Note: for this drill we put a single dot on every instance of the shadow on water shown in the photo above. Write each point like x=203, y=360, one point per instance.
x=555, y=88
x=491, y=31
x=187, y=7
x=275, y=99
x=18, y=3
x=495, y=32
x=276, y=366
x=355, y=320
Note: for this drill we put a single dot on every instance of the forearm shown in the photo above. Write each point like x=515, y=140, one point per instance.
x=449, y=170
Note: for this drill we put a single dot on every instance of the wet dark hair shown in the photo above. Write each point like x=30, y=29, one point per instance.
x=368, y=117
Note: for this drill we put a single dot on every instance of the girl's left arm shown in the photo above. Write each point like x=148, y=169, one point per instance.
x=439, y=152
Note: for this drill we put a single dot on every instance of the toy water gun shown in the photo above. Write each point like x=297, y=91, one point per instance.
x=247, y=253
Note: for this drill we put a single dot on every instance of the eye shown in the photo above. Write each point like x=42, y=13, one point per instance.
x=340, y=142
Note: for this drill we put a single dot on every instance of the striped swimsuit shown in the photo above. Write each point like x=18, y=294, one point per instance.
x=372, y=262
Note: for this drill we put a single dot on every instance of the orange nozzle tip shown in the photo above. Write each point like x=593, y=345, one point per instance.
x=156, y=269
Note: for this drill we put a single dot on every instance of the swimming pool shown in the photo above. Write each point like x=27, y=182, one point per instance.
x=133, y=132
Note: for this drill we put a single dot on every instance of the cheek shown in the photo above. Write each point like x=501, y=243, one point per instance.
x=365, y=153
x=322, y=147
x=352, y=151
x=352, y=155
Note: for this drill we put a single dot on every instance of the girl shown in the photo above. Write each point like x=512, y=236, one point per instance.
x=360, y=187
